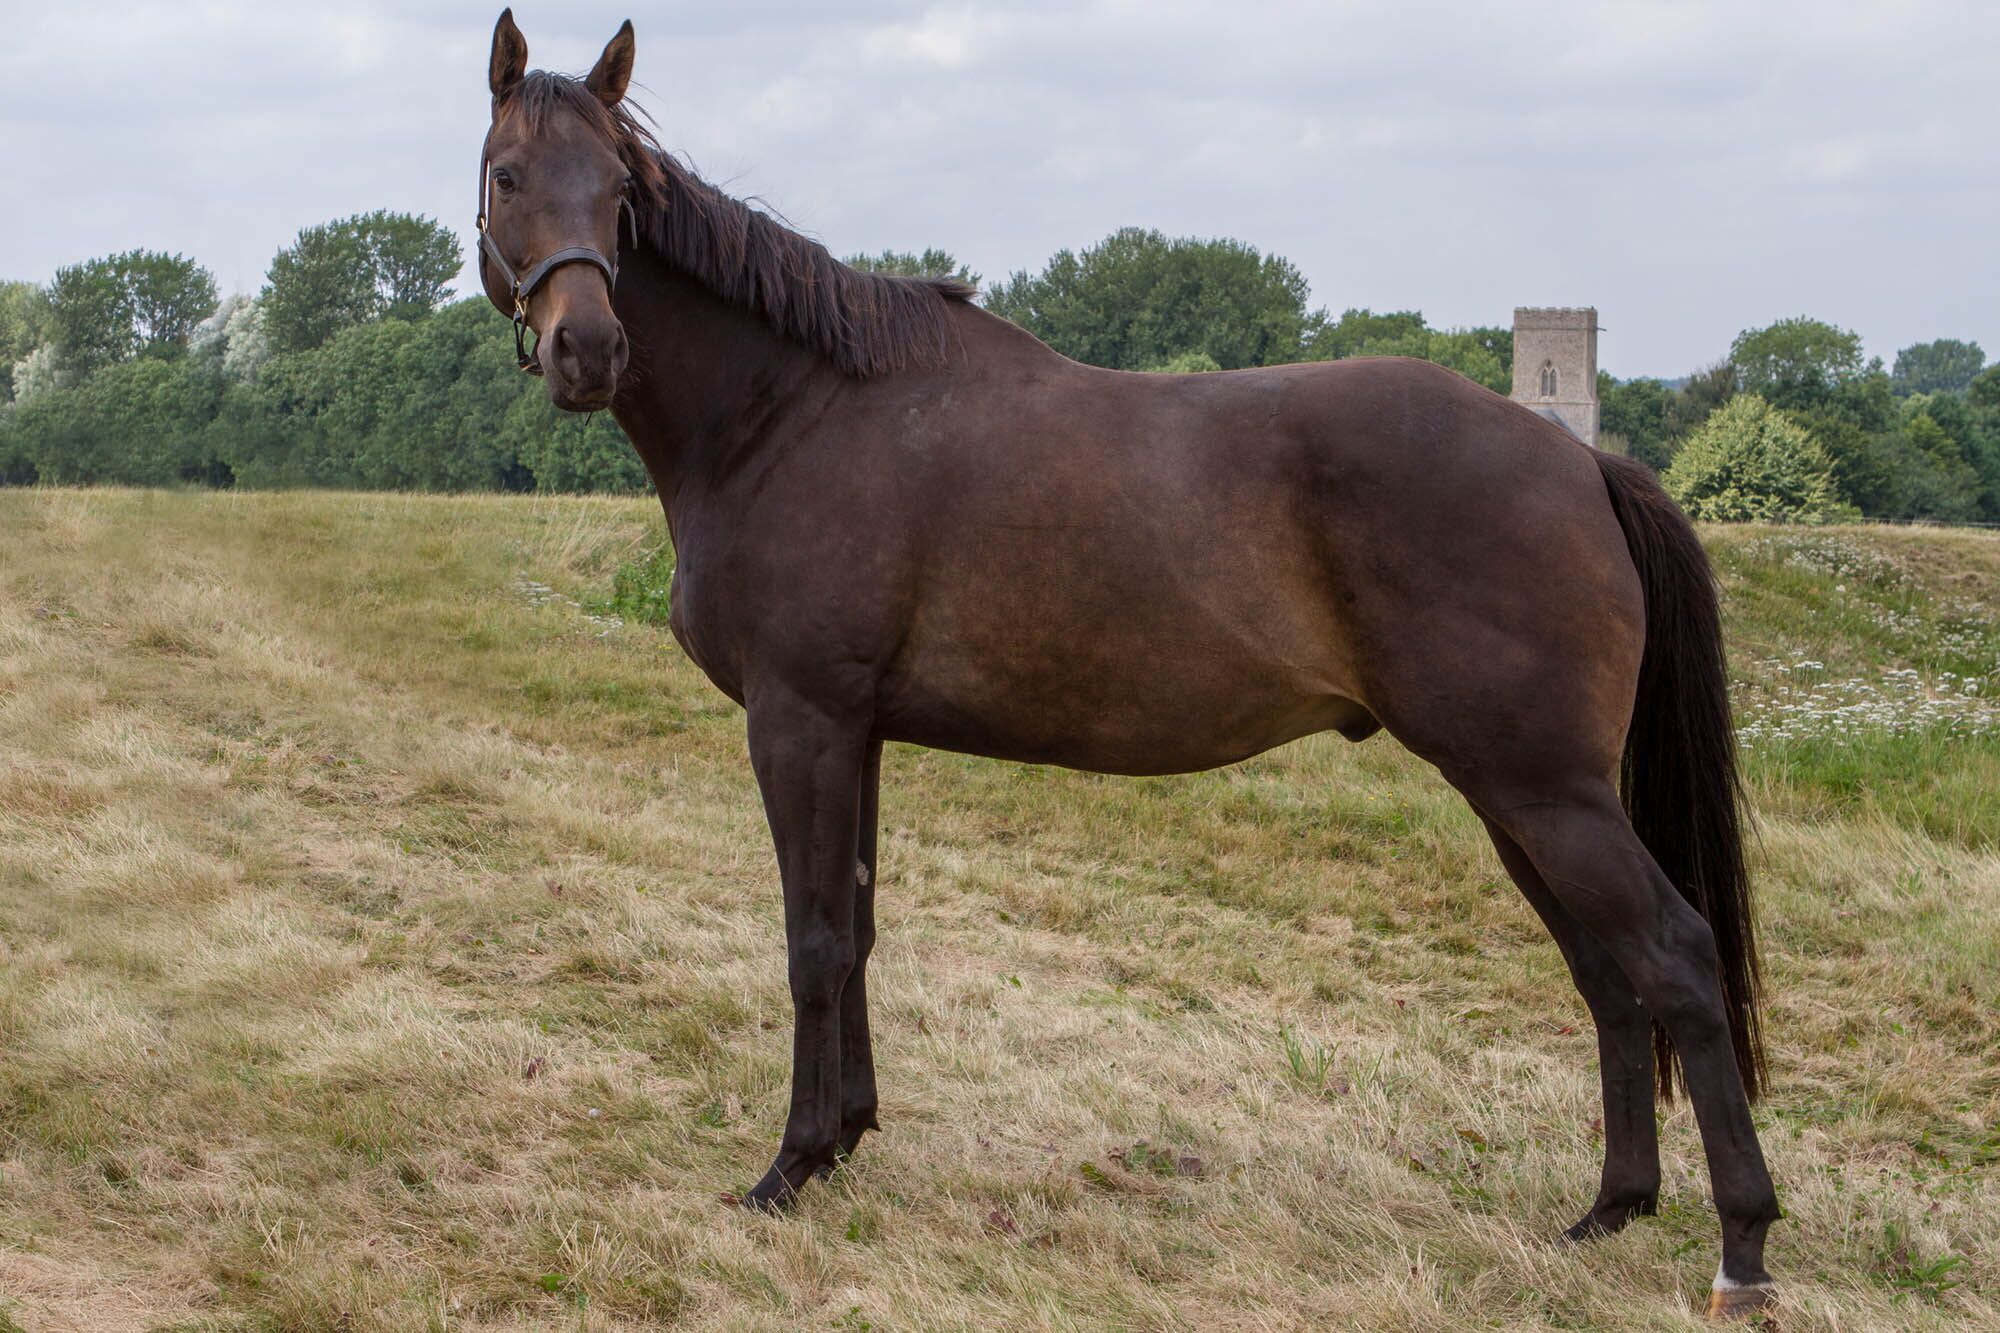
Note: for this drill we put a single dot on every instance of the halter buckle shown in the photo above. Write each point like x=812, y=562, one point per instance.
x=522, y=286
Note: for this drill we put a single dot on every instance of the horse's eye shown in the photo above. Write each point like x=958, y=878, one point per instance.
x=503, y=182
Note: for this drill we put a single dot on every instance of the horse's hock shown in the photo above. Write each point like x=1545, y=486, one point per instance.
x=1555, y=366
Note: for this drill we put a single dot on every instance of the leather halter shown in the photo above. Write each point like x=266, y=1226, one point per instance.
x=521, y=286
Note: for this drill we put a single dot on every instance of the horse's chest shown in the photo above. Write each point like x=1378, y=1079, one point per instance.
x=696, y=621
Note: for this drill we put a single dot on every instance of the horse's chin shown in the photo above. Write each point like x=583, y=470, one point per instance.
x=570, y=399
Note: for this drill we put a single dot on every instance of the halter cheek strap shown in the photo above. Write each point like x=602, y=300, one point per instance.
x=521, y=286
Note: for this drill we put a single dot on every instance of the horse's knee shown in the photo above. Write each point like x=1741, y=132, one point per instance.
x=820, y=964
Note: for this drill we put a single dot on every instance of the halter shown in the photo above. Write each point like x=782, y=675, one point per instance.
x=521, y=286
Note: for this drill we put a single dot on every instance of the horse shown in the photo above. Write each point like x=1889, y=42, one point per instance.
x=898, y=517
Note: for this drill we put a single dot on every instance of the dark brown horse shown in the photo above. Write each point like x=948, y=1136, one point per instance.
x=897, y=517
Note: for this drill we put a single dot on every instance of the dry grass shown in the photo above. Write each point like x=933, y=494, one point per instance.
x=387, y=945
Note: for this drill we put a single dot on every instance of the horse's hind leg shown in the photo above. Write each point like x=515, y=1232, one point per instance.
x=1594, y=865
x=1630, y=1185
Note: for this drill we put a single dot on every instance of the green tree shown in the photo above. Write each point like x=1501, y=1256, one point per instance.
x=1855, y=423
x=142, y=422
x=1984, y=391
x=1939, y=479
x=1484, y=355
x=24, y=326
x=1139, y=299
x=929, y=264
x=1187, y=363
x=90, y=324
x=1795, y=363
x=169, y=296
x=1697, y=398
x=24, y=319
x=317, y=286
x=1751, y=463
x=349, y=272
x=1474, y=353
x=414, y=261
x=111, y=309
x=1365, y=333
x=1636, y=412
x=1944, y=366
x=433, y=404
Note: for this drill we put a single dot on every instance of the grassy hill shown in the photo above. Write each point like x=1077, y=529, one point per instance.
x=389, y=939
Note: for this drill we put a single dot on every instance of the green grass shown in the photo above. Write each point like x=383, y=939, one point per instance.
x=389, y=939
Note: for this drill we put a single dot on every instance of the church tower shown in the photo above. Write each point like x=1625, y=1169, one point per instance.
x=1555, y=366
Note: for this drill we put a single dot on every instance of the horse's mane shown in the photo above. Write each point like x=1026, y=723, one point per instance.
x=865, y=323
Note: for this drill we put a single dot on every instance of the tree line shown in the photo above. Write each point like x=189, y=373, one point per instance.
x=352, y=367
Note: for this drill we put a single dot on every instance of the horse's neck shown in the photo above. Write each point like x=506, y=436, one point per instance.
x=707, y=381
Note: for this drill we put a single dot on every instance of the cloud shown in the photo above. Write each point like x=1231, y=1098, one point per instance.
x=1691, y=168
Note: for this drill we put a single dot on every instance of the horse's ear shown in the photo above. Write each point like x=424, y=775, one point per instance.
x=510, y=56
x=613, y=72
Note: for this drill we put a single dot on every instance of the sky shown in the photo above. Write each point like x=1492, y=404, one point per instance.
x=1691, y=169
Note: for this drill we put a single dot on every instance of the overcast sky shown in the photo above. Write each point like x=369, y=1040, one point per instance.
x=1691, y=169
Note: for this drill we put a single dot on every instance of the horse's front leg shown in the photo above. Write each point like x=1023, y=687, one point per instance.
x=809, y=761
x=857, y=1056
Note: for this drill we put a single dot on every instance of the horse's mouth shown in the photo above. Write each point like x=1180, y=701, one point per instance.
x=594, y=400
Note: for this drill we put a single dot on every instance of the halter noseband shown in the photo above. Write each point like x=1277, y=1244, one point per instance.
x=521, y=286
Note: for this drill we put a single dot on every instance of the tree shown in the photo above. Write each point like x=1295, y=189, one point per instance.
x=1365, y=333
x=1984, y=391
x=1139, y=299
x=1982, y=409
x=141, y=422
x=1795, y=362
x=1751, y=463
x=140, y=302
x=1944, y=366
x=1187, y=363
x=1483, y=355
x=24, y=326
x=1636, y=412
x=929, y=264
x=90, y=324
x=234, y=337
x=24, y=319
x=1699, y=397
x=1938, y=475
x=169, y=296
x=352, y=271
x=318, y=286
x=414, y=259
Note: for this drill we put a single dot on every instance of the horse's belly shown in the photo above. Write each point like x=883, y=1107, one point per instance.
x=1143, y=718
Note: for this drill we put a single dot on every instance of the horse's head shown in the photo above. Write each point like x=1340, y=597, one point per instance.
x=555, y=185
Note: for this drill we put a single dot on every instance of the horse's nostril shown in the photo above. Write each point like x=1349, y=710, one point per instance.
x=565, y=349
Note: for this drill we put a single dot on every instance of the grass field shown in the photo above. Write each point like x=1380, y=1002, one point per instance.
x=389, y=939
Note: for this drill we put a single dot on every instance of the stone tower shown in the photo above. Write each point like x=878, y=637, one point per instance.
x=1555, y=366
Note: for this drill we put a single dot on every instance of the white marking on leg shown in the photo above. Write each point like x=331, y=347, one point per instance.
x=1724, y=1282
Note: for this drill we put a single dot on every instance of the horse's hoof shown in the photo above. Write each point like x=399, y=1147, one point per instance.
x=850, y=1137
x=1594, y=1225
x=773, y=1194
x=1737, y=1302
x=1587, y=1229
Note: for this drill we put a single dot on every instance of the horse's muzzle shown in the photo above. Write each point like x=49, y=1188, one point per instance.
x=582, y=360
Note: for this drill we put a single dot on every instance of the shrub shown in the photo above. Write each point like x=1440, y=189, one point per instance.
x=1752, y=463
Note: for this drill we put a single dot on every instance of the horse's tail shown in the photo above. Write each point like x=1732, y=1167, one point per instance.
x=1678, y=775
